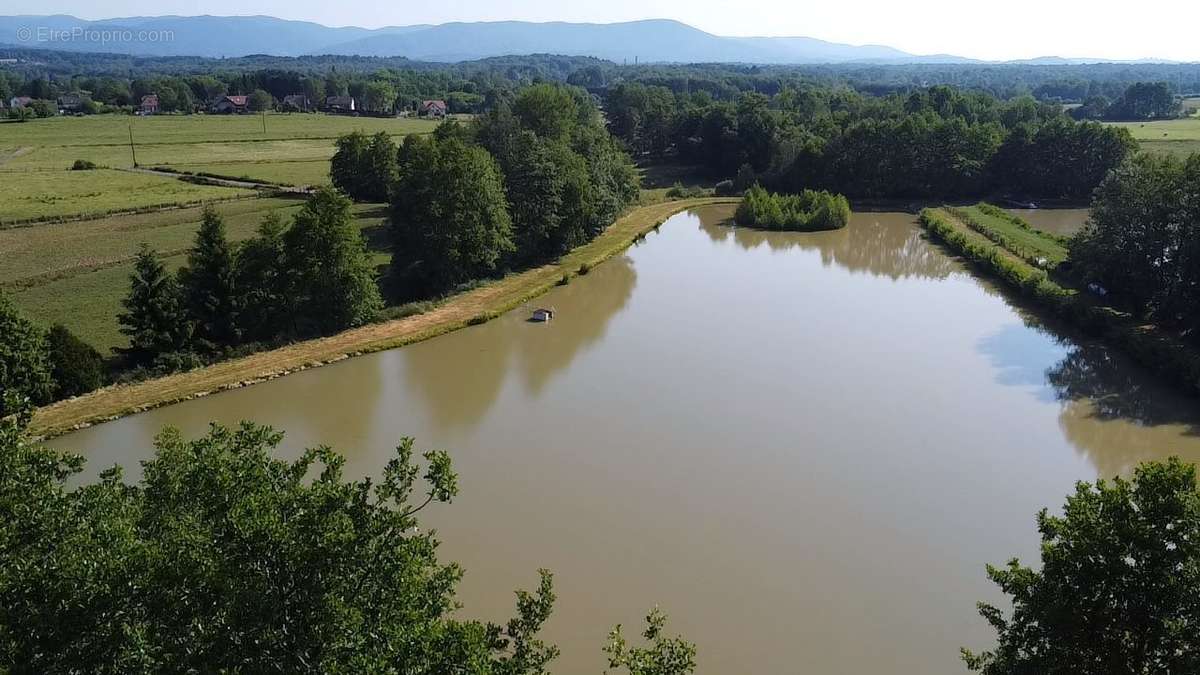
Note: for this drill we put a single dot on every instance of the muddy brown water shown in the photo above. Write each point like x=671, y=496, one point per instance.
x=803, y=447
x=1055, y=221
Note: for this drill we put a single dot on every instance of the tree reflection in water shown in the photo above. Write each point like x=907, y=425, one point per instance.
x=887, y=244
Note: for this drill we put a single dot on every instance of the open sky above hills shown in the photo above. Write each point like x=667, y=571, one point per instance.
x=1017, y=29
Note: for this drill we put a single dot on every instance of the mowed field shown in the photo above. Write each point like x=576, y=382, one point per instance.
x=1179, y=137
x=77, y=272
x=294, y=149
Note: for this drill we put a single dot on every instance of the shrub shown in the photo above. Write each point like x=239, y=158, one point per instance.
x=678, y=191
x=83, y=165
x=76, y=366
x=809, y=211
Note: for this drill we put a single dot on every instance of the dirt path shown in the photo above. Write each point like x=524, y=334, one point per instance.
x=476, y=306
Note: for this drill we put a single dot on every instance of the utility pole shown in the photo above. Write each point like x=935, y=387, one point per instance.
x=264, y=118
x=132, y=151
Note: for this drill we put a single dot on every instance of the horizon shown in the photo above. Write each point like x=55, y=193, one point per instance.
x=919, y=29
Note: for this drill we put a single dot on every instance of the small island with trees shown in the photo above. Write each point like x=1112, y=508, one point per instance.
x=807, y=211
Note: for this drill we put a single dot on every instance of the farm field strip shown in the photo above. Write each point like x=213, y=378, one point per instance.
x=77, y=273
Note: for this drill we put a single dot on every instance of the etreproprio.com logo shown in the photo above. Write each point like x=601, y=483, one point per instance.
x=43, y=34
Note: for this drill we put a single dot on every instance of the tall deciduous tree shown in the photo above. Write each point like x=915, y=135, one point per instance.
x=1117, y=588
x=449, y=215
x=154, y=319
x=209, y=285
x=25, y=368
x=332, y=282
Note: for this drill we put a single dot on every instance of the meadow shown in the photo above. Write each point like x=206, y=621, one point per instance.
x=77, y=272
x=288, y=149
x=1179, y=137
x=58, y=194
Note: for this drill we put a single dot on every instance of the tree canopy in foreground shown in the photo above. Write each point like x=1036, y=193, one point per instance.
x=1119, y=588
x=224, y=559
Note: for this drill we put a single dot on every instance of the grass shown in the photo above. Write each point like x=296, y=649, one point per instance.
x=1179, y=137
x=53, y=194
x=1014, y=234
x=76, y=273
x=479, y=304
x=294, y=150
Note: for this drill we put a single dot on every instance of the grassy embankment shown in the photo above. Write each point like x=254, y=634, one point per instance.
x=1034, y=246
x=1179, y=137
x=476, y=306
x=35, y=157
x=76, y=273
x=1153, y=348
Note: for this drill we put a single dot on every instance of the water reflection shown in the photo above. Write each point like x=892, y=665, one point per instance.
x=1115, y=413
x=880, y=244
x=460, y=375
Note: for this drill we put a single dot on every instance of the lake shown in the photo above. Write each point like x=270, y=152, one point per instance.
x=803, y=447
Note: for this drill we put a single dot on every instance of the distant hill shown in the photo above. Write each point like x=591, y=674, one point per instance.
x=657, y=40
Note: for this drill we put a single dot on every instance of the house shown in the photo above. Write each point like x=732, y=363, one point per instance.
x=149, y=105
x=19, y=101
x=432, y=109
x=340, y=104
x=70, y=103
x=227, y=105
x=297, y=103
x=542, y=314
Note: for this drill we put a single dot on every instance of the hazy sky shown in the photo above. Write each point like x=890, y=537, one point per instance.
x=995, y=30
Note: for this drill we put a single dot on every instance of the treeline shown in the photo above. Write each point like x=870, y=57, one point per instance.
x=808, y=211
x=311, y=277
x=938, y=142
x=1140, y=101
x=1142, y=242
x=381, y=91
x=526, y=182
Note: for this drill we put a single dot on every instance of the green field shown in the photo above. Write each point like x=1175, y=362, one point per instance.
x=294, y=150
x=53, y=194
x=77, y=272
x=1015, y=235
x=1179, y=137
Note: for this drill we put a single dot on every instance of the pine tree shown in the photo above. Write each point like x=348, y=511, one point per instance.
x=154, y=317
x=262, y=283
x=208, y=284
x=24, y=360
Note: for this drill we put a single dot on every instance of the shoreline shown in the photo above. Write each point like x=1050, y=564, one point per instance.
x=466, y=309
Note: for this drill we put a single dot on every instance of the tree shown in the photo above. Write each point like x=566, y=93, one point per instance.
x=450, y=221
x=548, y=110
x=209, y=285
x=25, y=369
x=262, y=280
x=224, y=559
x=331, y=280
x=364, y=167
x=154, y=318
x=379, y=96
x=664, y=656
x=1116, y=592
x=77, y=367
x=260, y=100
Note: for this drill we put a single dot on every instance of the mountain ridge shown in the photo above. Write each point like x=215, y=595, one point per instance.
x=646, y=41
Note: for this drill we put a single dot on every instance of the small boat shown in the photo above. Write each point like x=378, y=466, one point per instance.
x=542, y=314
